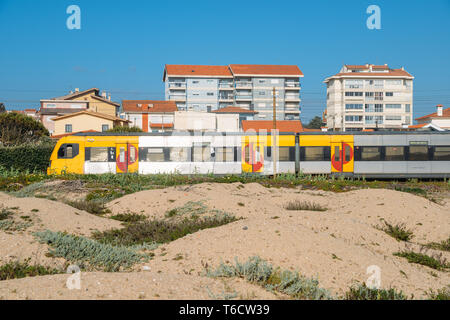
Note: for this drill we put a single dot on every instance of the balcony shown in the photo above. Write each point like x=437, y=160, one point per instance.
x=243, y=84
x=177, y=97
x=291, y=98
x=177, y=85
x=244, y=97
x=226, y=98
x=292, y=85
x=226, y=86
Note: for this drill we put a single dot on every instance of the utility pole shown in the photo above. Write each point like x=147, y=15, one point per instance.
x=274, y=135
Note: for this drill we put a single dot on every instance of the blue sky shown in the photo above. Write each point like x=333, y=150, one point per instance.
x=123, y=45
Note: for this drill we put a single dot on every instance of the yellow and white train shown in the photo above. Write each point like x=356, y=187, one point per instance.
x=369, y=154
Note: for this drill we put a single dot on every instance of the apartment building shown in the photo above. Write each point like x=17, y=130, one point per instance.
x=150, y=115
x=210, y=88
x=369, y=96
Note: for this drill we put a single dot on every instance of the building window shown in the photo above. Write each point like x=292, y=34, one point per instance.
x=105, y=127
x=370, y=108
x=396, y=118
x=210, y=94
x=378, y=108
x=353, y=118
x=353, y=106
x=353, y=94
x=354, y=84
x=407, y=108
x=378, y=95
x=389, y=94
x=369, y=120
x=195, y=81
x=393, y=106
x=68, y=128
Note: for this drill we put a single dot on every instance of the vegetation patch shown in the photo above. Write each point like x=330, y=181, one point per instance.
x=129, y=217
x=5, y=213
x=94, y=207
x=88, y=252
x=194, y=208
x=443, y=245
x=440, y=294
x=398, y=231
x=159, y=231
x=436, y=261
x=16, y=270
x=260, y=272
x=362, y=292
x=304, y=205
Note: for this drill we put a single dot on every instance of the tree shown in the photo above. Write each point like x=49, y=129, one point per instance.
x=2, y=108
x=17, y=129
x=315, y=123
x=119, y=129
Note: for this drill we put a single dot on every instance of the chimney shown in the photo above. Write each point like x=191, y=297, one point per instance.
x=370, y=67
x=109, y=97
x=77, y=90
x=103, y=94
x=439, y=108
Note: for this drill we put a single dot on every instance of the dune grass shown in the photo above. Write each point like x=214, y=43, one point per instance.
x=17, y=270
x=304, y=205
x=397, y=231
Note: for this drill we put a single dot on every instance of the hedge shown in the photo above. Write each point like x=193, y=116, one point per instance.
x=26, y=157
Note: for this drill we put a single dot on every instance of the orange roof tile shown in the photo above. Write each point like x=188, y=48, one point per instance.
x=416, y=126
x=282, y=125
x=149, y=106
x=445, y=113
x=233, y=109
x=197, y=70
x=262, y=69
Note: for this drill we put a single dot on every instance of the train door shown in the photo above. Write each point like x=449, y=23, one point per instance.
x=126, y=158
x=252, y=157
x=341, y=156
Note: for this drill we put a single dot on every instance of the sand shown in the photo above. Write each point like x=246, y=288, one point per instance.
x=336, y=246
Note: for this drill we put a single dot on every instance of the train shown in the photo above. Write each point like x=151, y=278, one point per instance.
x=355, y=154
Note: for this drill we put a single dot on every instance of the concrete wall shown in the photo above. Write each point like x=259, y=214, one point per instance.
x=81, y=122
x=192, y=120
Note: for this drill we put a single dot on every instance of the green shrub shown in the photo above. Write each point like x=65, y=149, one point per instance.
x=125, y=129
x=436, y=262
x=16, y=270
x=82, y=250
x=16, y=129
x=444, y=245
x=5, y=213
x=362, y=292
x=129, y=217
x=94, y=207
x=159, y=231
x=304, y=205
x=260, y=272
x=29, y=158
x=440, y=294
x=397, y=231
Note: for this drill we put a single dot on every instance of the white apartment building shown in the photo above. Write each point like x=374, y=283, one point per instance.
x=369, y=96
x=210, y=88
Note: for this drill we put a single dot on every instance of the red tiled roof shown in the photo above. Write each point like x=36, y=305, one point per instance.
x=69, y=134
x=282, y=125
x=90, y=113
x=416, y=126
x=197, y=70
x=233, y=109
x=262, y=69
x=149, y=106
x=390, y=73
x=161, y=125
x=445, y=113
x=366, y=67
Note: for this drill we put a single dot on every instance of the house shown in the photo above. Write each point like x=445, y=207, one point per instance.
x=243, y=114
x=267, y=126
x=206, y=121
x=86, y=121
x=209, y=88
x=369, y=97
x=76, y=101
x=438, y=121
x=150, y=115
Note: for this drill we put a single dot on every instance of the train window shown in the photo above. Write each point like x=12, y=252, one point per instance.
x=348, y=151
x=314, y=154
x=370, y=154
x=68, y=151
x=225, y=154
x=395, y=154
x=283, y=154
x=202, y=154
x=337, y=154
x=441, y=153
x=179, y=154
x=132, y=153
x=99, y=154
x=418, y=153
x=155, y=155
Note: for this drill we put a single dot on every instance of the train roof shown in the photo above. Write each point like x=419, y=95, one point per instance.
x=186, y=133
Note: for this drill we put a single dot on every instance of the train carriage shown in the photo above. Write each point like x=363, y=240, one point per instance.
x=372, y=154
